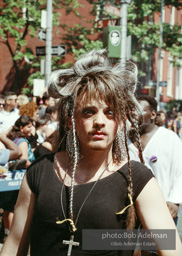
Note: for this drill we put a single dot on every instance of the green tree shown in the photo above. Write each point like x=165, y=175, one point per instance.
x=18, y=19
x=142, y=27
x=21, y=18
x=146, y=33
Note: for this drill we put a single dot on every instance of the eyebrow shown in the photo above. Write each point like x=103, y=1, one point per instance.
x=10, y=98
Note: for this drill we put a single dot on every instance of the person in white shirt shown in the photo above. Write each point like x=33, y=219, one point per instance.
x=162, y=151
x=53, y=124
x=10, y=113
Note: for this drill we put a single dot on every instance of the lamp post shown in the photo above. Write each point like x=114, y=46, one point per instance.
x=123, y=23
x=48, y=42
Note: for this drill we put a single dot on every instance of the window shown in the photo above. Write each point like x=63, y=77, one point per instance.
x=161, y=70
x=179, y=82
x=163, y=15
x=172, y=17
x=170, y=77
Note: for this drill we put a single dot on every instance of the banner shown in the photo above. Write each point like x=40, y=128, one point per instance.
x=12, y=181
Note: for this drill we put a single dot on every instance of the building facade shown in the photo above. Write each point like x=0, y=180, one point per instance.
x=170, y=73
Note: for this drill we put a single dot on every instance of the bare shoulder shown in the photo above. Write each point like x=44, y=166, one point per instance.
x=47, y=145
x=23, y=144
x=25, y=194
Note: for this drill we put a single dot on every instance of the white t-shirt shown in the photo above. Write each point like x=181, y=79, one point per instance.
x=4, y=156
x=53, y=126
x=8, y=119
x=166, y=147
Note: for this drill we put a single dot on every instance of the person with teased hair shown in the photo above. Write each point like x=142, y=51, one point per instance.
x=90, y=182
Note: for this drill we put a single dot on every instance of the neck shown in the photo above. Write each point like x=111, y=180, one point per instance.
x=8, y=109
x=147, y=129
x=92, y=159
x=92, y=165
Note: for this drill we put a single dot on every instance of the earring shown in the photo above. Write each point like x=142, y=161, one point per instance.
x=119, y=150
x=70, y=146
x=69, y=143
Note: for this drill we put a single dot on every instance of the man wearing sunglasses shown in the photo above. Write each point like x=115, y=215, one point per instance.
x=10, y=113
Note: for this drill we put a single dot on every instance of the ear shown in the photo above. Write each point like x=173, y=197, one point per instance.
x=153, y=114
x=7, y=101
x=21, y=128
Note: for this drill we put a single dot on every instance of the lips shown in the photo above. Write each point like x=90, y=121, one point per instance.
x=98, y=135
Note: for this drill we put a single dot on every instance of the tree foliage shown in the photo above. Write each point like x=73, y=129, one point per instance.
x=145, y=32
x=141, y=26
x=21, y=18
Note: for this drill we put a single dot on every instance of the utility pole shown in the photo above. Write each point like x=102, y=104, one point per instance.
x=48, y=42
x=159, y=53
x=123, y=23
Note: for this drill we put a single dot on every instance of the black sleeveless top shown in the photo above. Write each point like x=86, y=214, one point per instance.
x=99, y=211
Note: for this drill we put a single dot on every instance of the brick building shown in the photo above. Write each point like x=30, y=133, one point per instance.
x=169, y=73
x=6, y=63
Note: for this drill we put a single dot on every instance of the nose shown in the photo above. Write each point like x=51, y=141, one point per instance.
x=99, y=120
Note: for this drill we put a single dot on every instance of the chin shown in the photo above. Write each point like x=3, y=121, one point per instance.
x=143, y=127
x=98, y=147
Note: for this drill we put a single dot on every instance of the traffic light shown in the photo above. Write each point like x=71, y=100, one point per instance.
x=112, y=40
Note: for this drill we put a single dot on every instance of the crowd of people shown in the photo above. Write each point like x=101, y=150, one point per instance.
x=171, y=120
x=30, y=127
x=96, y=158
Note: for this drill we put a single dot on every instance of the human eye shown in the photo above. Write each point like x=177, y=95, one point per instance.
x=87, y=112
x=109, y=113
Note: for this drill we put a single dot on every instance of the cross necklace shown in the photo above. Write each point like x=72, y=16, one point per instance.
x=71, y=242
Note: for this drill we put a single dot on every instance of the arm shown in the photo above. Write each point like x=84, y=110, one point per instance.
x=15, y=151
x=175, y=195
x=47, y=145
x=17, y=242
x=49, y=132
x=154, y=214
x=24, y=149
x=7, y=131
x=173, y=208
